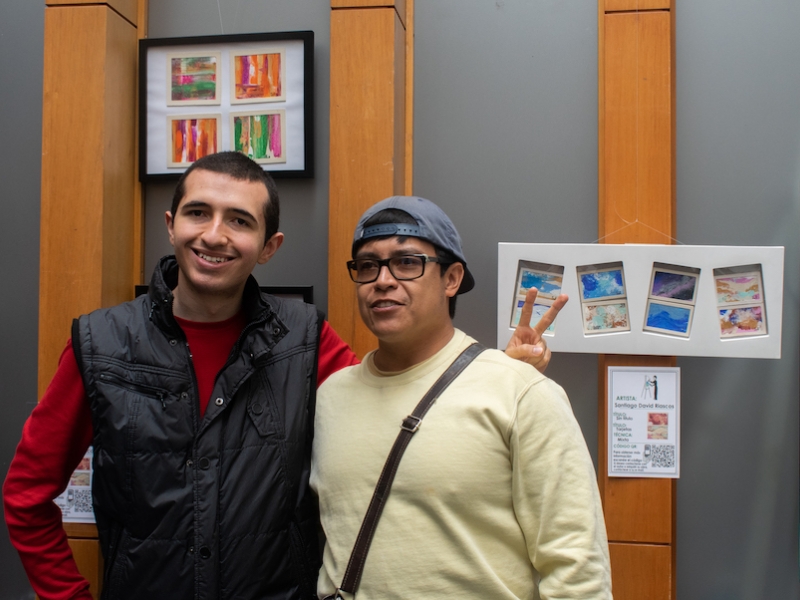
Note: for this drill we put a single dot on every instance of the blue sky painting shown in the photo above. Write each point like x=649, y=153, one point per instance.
x=602, y=284
x=668, y=318
x=548, y=284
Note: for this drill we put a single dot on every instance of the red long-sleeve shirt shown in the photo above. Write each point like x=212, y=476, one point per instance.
x=58, y=432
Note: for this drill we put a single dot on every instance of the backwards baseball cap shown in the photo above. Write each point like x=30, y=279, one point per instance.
x=433, y=225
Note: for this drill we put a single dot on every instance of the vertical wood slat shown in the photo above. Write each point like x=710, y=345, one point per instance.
x=408, y=187
x=87, y=170
x=636, y=158
x=637, y=510
x=90, y=561
x=654, y=562
x=139, y=276
x=367, y=143
x=90, y=203
x=401, y=6
x=637, y=5
x=638, y=193
x=128, y=9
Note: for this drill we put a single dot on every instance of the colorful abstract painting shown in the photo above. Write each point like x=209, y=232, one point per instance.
x=548, y=284
x=602, y=284
x=192, y=137
x=673, y=319
x=194, y=79
x=745, y=287
x=742, y=321
x=536, y=315
x=674, y=286
x=258, y=77
x=606, y=317
x=261, y=136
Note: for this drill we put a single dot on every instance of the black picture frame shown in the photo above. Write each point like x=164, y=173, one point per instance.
x=297, y=104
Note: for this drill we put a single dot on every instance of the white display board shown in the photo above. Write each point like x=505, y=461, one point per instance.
x=707, y=311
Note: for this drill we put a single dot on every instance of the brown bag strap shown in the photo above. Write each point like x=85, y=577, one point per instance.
x=355, y=567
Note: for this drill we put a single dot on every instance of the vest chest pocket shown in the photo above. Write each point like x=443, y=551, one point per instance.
x=143, y=417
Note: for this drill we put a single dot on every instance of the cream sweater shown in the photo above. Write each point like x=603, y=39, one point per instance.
x=494, y=498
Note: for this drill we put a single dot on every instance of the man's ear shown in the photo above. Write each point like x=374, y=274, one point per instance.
x=270, y=248
x=452, y=279
x=170, y=220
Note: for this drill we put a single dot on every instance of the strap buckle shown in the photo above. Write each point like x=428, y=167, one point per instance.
x=411, y=423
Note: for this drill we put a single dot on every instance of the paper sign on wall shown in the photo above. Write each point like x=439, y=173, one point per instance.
x=76, y=501
x=644, y=422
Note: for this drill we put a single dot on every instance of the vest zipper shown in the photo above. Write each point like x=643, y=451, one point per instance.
x=140, y=388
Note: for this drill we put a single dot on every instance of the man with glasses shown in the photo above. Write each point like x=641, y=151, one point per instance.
x=495, y=496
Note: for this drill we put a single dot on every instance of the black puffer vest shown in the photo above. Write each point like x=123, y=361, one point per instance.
x=202, y=507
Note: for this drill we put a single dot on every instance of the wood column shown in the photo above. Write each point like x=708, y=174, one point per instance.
x=370, y=137
x=636, y=156
x=91, y=209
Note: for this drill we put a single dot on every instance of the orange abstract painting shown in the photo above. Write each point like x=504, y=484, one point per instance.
x=258, y=77
x=192, y=138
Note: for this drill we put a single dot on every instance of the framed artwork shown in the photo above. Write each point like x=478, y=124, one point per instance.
x=741, y=308
x=249, y=93
x=671, y=299
x=547, y=279
x=604, y=303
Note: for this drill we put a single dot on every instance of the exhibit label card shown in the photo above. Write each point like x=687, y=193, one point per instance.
x=644, y=422
x=76, y=501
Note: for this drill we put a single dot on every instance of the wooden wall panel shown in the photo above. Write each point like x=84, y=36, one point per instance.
x=636, y=176
x=401, y=6
x=87, y=555
x=408, y=186
x=91, y=204
x=129, y=9
x=654, y=566
x=637, y=198
x=637, y=5
x=368, y=141
x=87, y=170
x=637, y=510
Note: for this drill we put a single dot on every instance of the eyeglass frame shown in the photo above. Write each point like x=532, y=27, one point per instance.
x=384, y=262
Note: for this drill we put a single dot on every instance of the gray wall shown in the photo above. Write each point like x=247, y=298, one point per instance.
x=303, y=259
x=21, y=51
x=505, y=140
x=520, y=164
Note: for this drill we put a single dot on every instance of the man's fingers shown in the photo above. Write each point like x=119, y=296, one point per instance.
x=527, y=308
x=551, y=314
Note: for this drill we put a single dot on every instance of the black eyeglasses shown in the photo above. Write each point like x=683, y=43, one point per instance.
x=402, y=268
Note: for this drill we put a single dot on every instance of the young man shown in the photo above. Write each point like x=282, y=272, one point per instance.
x=495, y=496
x=198, y=399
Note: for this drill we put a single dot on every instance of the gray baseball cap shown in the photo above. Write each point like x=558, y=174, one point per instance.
x=433, y=225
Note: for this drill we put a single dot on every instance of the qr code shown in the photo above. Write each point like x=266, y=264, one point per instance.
x=81, y=501
x=662, y=455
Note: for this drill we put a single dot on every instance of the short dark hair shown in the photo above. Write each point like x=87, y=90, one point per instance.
x=395, y=215
x=237, y=166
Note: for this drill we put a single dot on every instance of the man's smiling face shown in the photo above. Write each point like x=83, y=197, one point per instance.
x=218, y=235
